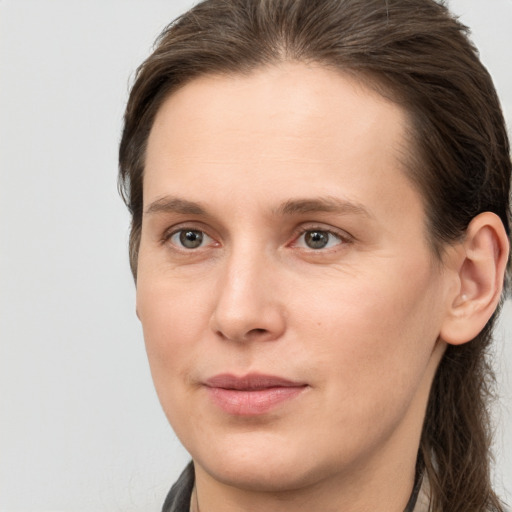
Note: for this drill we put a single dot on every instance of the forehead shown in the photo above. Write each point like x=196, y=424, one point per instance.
x=284, y=125
x=279, y=102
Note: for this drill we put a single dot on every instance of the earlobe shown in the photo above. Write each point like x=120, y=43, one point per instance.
x=481, y=271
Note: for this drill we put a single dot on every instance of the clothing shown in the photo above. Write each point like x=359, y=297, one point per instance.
x=178, y=499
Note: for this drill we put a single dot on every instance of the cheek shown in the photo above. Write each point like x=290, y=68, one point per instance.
x=370, y=346
x=373, y=332
x=174, y=318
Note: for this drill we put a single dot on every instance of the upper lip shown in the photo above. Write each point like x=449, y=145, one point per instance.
x=250, y=382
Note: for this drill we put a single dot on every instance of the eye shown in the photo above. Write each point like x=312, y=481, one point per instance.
x=318, y=239
x=190, y=238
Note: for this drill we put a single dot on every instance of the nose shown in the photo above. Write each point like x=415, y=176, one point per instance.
x=248, y=305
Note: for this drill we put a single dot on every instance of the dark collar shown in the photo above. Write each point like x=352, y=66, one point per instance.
x=178, y=499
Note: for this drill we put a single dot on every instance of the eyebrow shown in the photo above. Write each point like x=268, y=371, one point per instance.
x=171, y=204
x=321, y=204
x=175, y=205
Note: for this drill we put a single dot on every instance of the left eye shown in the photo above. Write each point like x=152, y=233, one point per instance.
x=190, y=238
x=318, y=239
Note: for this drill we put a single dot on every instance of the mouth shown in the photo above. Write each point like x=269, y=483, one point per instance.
x=252, y=394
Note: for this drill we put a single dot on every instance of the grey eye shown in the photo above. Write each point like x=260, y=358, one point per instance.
x=189, y=238
x=316, y=239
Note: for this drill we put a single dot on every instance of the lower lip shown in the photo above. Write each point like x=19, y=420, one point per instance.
x=252, y=403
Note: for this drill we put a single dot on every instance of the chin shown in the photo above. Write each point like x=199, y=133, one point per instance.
x=263, y=464
x=261, y=476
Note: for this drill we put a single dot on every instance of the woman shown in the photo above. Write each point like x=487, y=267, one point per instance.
x=320, y=234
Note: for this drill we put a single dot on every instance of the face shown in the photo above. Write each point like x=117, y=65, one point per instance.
x=290, y=303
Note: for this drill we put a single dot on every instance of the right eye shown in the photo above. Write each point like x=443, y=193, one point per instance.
x=190, y=239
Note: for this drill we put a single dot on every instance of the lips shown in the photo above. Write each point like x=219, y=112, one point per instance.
x=252, y=394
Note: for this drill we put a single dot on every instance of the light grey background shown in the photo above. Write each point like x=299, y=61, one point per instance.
x=80, y=426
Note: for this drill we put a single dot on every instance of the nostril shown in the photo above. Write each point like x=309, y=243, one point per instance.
x=256, y=332
x=246, y=323
x=251, y=335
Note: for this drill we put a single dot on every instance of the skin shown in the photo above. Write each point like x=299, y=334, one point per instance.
x=264, y=158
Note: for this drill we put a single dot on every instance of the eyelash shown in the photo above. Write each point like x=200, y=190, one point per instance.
x=342, y=238
x=168, y=236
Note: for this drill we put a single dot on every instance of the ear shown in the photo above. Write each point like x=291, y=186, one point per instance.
x=481, y=266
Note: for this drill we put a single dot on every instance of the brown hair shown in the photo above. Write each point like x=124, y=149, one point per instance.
x=418, y=54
